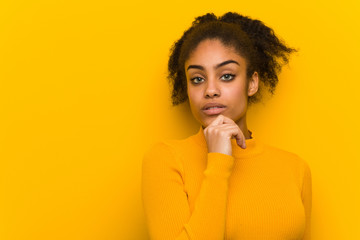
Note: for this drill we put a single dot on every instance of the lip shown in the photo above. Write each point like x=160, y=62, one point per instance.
x=219, y=108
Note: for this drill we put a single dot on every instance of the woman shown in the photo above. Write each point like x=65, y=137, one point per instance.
x=223, y=182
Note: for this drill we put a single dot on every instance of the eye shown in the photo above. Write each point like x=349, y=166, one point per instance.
x=227, y=77
x=196, y=80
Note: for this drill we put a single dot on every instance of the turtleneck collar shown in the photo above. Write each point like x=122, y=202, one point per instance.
x=253, y=145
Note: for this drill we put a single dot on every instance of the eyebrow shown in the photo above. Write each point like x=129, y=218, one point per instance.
x=217, y=66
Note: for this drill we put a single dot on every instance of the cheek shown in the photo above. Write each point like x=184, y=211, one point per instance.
x=193, y=95
x=237, y=98
x=235, y=93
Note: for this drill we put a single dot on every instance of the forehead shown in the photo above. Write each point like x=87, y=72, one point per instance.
x=211, y=52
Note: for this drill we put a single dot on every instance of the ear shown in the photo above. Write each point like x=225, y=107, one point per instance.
x=253, y=84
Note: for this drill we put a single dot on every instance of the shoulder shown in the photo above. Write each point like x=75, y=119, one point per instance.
x=164, y=154
x=158, y=151
x=175, y=147
x=168, y=146
x=172, y=151
x=288, y=158
x=284, y=154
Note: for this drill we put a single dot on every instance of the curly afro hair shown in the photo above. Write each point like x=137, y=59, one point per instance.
x=257, y=43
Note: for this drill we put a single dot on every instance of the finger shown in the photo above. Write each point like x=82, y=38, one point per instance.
x=236, y=133
x=228, y=120
x=221, y=119
x=243, y=144
x=218, y=120
x=240, y=138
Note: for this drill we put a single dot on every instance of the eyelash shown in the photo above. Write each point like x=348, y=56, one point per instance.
x=232, y=76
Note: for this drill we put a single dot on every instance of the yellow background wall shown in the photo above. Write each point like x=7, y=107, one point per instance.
x=83, y=94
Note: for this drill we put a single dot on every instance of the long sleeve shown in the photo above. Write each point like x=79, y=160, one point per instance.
x=306, y=196
x=165, y=200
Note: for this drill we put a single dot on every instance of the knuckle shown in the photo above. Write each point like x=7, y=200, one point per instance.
x=223, y=134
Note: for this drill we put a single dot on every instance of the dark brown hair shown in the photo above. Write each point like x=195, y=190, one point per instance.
x=257, y=43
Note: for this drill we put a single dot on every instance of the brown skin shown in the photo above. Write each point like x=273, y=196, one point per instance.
x=207, y=82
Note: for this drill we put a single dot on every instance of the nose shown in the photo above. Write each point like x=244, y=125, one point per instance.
x=212, y=89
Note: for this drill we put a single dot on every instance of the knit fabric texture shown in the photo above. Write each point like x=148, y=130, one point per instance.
x=258, y=193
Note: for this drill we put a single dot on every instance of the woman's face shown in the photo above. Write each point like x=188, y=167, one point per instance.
x=216, y=74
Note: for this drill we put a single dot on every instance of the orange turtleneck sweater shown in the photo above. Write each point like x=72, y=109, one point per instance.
x=260, y=192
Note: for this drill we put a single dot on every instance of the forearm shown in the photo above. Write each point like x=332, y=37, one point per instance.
x=167, y=206
x=208, y=218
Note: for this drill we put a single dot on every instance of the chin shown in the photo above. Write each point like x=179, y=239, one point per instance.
x=206, y=122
